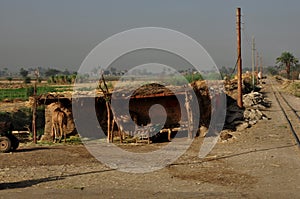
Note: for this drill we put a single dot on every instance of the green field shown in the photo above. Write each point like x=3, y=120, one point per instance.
x=26, y=92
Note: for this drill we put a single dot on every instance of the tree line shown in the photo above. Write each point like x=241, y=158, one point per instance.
x=286, y=65
x=52, y=75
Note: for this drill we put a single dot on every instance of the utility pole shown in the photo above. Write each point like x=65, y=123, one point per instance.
x=257, y=58
x=253, y=62
x=257, y=62
x=261, y=71
x=239, y=54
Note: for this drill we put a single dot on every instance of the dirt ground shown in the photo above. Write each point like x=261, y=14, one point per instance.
x=260, y=162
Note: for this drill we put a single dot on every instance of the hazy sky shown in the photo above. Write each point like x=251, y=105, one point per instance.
x=60, y=33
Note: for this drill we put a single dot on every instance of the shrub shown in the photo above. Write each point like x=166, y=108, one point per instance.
x=27, y=80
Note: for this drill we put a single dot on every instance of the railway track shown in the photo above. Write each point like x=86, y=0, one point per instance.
x=290, y=113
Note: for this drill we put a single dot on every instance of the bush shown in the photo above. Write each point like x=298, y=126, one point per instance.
x=9, y=79
x=27, y=80
x=193, y=77
x=23, y=118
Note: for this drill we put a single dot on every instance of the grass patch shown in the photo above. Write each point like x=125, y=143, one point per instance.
x=73, y=140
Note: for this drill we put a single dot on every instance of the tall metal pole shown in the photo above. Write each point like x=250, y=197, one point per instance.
x=253, y=62
x=239, y=54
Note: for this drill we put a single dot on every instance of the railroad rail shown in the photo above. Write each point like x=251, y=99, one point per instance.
x=286, y=110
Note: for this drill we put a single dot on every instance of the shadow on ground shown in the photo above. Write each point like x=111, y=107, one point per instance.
x=29, y=183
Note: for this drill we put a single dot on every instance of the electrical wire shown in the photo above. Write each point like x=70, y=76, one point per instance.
x=247, y=42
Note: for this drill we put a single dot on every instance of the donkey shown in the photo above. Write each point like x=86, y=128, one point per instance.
x=59, y=120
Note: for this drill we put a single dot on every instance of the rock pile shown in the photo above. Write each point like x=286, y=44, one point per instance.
x=252, y=116
x=241, y=118
x=255, y=100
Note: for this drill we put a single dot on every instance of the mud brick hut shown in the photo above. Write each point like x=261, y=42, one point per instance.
x=139, y=104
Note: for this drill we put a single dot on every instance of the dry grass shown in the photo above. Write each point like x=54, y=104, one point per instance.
x=293, y=87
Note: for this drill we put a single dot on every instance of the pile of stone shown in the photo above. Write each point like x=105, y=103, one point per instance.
x=255, y=100
x=239, y=119
x=252, y=116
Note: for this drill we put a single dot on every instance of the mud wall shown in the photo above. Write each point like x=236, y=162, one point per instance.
x=141, y=107
x=139, y=110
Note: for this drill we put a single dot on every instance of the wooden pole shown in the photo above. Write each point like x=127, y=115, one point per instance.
x=189, y=116
x=34, y=107
x=34, y=118
x=107, y=97
x=108, y=121
x=239, y=54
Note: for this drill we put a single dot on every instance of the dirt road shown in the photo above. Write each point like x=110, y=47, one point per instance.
x=261, y=162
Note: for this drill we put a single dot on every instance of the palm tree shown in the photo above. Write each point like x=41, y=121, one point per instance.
x=288, y=60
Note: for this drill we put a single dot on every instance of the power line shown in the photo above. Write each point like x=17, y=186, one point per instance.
x=248, y=42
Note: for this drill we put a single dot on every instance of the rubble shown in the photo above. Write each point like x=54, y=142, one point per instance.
x=255, y=100
x=226, y=135
x=242, y=126
x=239, y=119
x=254, y=103
x=254, y=114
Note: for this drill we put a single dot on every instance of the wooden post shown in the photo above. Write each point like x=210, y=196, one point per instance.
x=34, y=107
x=189, y=116
x=34, y=118
x=239, y=54
x=108, y=121
x=107, y=97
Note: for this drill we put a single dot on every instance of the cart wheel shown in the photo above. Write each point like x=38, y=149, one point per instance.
x=5, y=144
